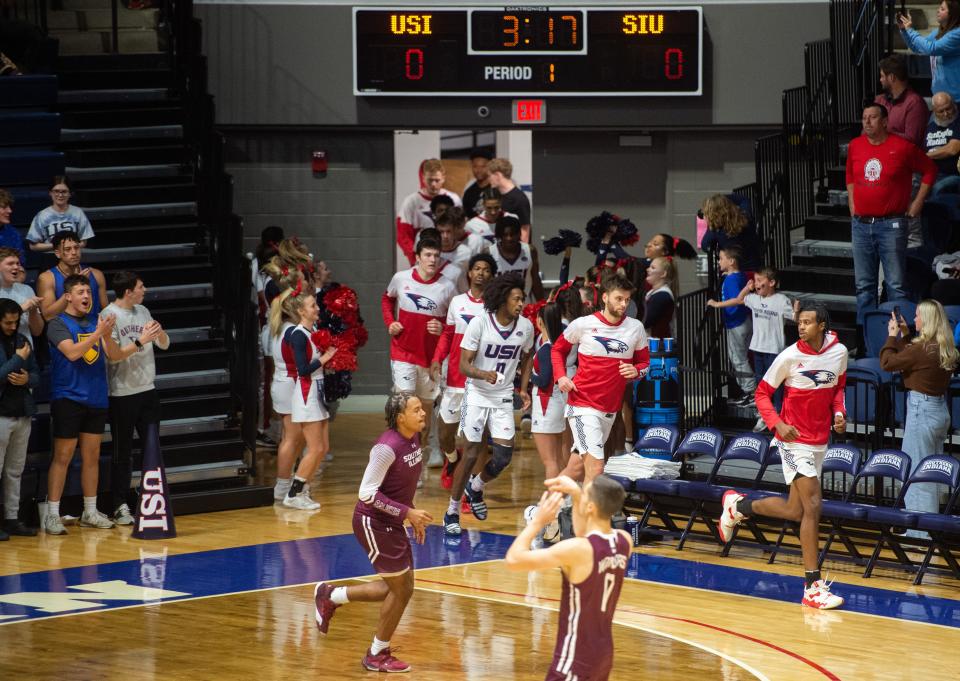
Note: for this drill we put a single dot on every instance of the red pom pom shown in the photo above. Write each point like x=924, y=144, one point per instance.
x=531, y=310
x=361, y=334
x=342, y=301
x=343, y=360
x=323, y=339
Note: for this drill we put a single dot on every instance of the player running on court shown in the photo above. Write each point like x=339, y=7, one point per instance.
x=494, y=346
x=612, y=350
x=592, y=564
x=814, y=373
x=386, y=501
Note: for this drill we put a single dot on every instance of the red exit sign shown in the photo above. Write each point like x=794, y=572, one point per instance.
x=529, y=111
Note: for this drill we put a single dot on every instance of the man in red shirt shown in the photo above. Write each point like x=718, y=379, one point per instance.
x=908, y=112
x=880, y=169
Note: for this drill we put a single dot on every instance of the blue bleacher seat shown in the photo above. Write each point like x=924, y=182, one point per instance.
x=866, y=397
x=953, y=314
x=23, y=128
x=938, y=469
x=28, y=91
x=908, y=309
x=875, y=330
x=27, y=202
x=19, y=167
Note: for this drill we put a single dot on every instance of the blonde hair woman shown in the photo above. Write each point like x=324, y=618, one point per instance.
x=925, y=362
x=730, y=225
x=660, y=303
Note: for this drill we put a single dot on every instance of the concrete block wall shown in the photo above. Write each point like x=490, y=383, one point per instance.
x=346, y=219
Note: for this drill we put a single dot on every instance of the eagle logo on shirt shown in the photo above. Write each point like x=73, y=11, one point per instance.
x=466, y=318
x=422, y=302
x=820, y=376
x=611, y=344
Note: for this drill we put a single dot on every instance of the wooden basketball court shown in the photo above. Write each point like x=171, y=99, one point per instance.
x=232, y=598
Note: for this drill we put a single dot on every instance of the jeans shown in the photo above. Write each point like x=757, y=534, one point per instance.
x=948, y=184
x=923, y=434
x=738, y=347
x=14, y=433
x=884, y=241
x=761, y=362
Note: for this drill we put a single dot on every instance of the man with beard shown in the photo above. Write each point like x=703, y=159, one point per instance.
x=907, y=110
x=494, y=346
x=943, y=144
x=611, y=350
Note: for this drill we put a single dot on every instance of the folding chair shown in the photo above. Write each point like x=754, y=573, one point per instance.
x=866, y=402
x=771, y=458
x=875, y=330
x=660, y=438
x=882, y=464
x=939, y=469
x=741, y=448
x=839, y=458
x=699, y=442
x=941, y=526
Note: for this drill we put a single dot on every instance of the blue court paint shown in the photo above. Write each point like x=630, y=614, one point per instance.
x=157, y=578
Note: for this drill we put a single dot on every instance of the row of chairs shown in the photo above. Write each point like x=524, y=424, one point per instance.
x=848, y=511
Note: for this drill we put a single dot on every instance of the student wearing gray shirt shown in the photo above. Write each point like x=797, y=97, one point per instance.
x=134, y=402
x=59, y=216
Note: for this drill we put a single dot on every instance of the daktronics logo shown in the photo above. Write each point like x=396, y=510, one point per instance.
x=153, y=504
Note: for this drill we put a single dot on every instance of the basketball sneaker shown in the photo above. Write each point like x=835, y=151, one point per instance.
x=729, y=517
x=451, y=524
x=95, y=519
x=383, y=662
x=818, y=596
x=301, y=501
x=464, y=504
x=122, y=515
x=53, y=525
x=477, y=505
x=323, y=606
x=446, y=480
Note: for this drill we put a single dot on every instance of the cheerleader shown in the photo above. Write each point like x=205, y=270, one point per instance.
x=282, y=318
x=306, y=403
x=548, y=423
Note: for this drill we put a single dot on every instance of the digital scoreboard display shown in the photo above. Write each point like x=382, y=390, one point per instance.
x=528, y=51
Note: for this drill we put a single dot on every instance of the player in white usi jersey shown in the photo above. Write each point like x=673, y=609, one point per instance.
x=512, y=255
x=494, y=346
x=463, y=308
x=612, y=350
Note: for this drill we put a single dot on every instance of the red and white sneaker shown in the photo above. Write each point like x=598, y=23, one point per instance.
x=730, y=517
x=324, y=607
x=446, y=480
x=384, y=662
x=464, y=506
x=818, y=596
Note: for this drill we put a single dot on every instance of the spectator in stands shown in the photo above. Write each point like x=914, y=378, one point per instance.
x=473, y=194
x=31, y=321
x=943, y=46
x=946, y=290
x=943, y=144
x=9, y=236
x=512, y=198
x=51, y=284
x=736, y=320
x=60, y=216
x=659, y=301
x=879, y=201
x=131, y=369
x=415, y=213
x=926, y=363
x=906, y=110
x=730, y=224
x=18, y=376
x=78, y=400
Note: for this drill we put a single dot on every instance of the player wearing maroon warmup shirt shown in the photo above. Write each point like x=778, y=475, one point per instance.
x=593, y=565
x=386, y=501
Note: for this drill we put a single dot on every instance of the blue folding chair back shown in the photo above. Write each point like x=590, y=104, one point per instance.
x=938, y=469
x=887, y=463
x=953, y=314
x=875, y=330
x=660, y=438
x=842, y=458
x=701, y=441
x=746, y=447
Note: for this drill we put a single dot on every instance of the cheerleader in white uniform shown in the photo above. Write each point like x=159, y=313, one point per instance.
x=548, y=403
x=307, y=411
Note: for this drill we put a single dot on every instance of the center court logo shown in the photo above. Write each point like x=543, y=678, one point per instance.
x=872, y=170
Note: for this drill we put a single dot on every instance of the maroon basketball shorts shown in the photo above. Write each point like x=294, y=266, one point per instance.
x=387, y=546
x=582, y=672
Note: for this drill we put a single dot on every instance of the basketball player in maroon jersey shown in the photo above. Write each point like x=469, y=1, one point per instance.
x=386, y=500
x=593, y=564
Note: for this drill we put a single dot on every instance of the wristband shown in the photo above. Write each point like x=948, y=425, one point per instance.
x=138, y=344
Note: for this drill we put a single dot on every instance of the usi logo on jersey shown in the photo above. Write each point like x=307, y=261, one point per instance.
x=502, y=351
x=611, y=344
x=422, y=302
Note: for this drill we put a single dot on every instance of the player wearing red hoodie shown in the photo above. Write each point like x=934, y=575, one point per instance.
x=813, y=372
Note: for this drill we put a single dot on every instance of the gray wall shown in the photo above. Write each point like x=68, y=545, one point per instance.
x=280, y=64
x=344, y=218
x=579, y=174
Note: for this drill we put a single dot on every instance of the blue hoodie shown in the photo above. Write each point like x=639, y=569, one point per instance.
x=944, y=55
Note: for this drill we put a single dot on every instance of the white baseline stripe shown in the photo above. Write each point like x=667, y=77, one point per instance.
x=679, y=639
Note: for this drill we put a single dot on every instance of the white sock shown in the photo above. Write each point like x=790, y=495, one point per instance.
x=453, y=507
x=89, y=504
x=53, y=508
x=339, y=595
x=476, y=483
x=378, y=646
x=451, y=456
x=284, y=483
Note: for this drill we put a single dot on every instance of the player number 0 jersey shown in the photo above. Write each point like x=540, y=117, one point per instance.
x=498, y=349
